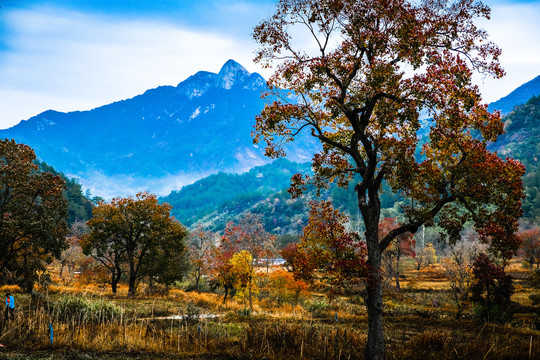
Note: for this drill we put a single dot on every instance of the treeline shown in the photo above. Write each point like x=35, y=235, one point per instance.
x=223, y=191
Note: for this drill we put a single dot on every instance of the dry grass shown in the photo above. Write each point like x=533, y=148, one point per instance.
x=419, y=324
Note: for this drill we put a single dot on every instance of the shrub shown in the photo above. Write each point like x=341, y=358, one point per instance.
x=491, y=291
x=318, y=308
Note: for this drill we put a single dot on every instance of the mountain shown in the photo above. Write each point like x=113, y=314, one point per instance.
x=218, y=199
x=517, y=97
x=160, y=140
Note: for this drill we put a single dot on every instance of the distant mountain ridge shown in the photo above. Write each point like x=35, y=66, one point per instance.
x=170, y=136
x=160, y=140
x=517, y=97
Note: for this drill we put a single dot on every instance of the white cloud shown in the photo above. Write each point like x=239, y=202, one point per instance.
x=65, y=60
x=126, y=185
x=514, y=27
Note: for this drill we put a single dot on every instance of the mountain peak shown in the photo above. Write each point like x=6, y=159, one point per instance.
x=231, y=74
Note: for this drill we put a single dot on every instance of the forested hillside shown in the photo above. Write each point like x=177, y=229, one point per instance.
x=517, y=97
x=219, y=192
x=220, y=198
x=521, y=142
x=79, y=207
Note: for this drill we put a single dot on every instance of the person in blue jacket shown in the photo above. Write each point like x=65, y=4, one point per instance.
x=10, y=307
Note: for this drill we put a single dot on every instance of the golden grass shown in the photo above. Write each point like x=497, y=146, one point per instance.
x=419, y=324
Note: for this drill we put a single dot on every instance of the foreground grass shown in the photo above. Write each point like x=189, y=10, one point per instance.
x=420, y=323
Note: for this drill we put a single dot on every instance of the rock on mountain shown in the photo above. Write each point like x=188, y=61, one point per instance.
x=160, y=140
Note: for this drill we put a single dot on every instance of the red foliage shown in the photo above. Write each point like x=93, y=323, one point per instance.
x=327, y=247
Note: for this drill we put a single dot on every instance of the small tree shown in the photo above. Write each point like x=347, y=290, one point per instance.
x=243, y=266
x=283, y=287
x=530, y=246
x=402, y=247
x=458, y=265
x=138, y=233
x=201, y=246
x=327, y=247
x=250, y=235
x=491, y=291
x=425, y=257
x=222, y=271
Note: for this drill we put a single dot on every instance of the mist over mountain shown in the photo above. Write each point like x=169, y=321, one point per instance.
x=160, y=140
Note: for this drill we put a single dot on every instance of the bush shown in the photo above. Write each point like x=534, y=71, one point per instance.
x=192, y=313
x=491, y=291
x=318, y=308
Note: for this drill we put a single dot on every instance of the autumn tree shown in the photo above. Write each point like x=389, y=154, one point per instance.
x=138, y=234
x=222, y=271
x=248, y=235
x=357, y=81
x=291, y=256
x=425, y=257
x=403, y=246
x=73, y=254
x=201, y=246
x=243, y=266
x=491, y=291
x=33, y=214
x=327, y=247
x=281, y=286
x=458, y=266
x=530, y=246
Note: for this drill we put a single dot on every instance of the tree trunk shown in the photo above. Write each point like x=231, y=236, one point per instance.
x=375, y=342
x=197, y=279
x=250, y=294
x=226, y=293
x=371, y=213
x=397, y=275
x=131, y=291
x=132, y=278
x=116, y=274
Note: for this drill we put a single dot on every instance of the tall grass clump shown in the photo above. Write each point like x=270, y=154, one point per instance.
x=83, y=310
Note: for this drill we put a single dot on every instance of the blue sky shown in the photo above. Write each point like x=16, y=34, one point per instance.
x=78, y=54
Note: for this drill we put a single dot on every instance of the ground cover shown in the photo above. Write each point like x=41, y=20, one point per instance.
x=420, y=323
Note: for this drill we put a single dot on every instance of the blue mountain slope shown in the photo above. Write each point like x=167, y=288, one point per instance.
x=199, y=127
x=517, y=97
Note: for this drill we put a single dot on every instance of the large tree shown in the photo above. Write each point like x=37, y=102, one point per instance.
x=136, y=234
x=358, y=73
x=33, y=214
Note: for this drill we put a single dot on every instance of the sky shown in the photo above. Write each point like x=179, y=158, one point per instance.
x=69, y=55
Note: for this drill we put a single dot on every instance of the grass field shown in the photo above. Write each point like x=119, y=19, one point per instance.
x=89, y=323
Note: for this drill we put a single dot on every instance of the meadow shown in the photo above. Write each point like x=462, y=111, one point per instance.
x=88, y=322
